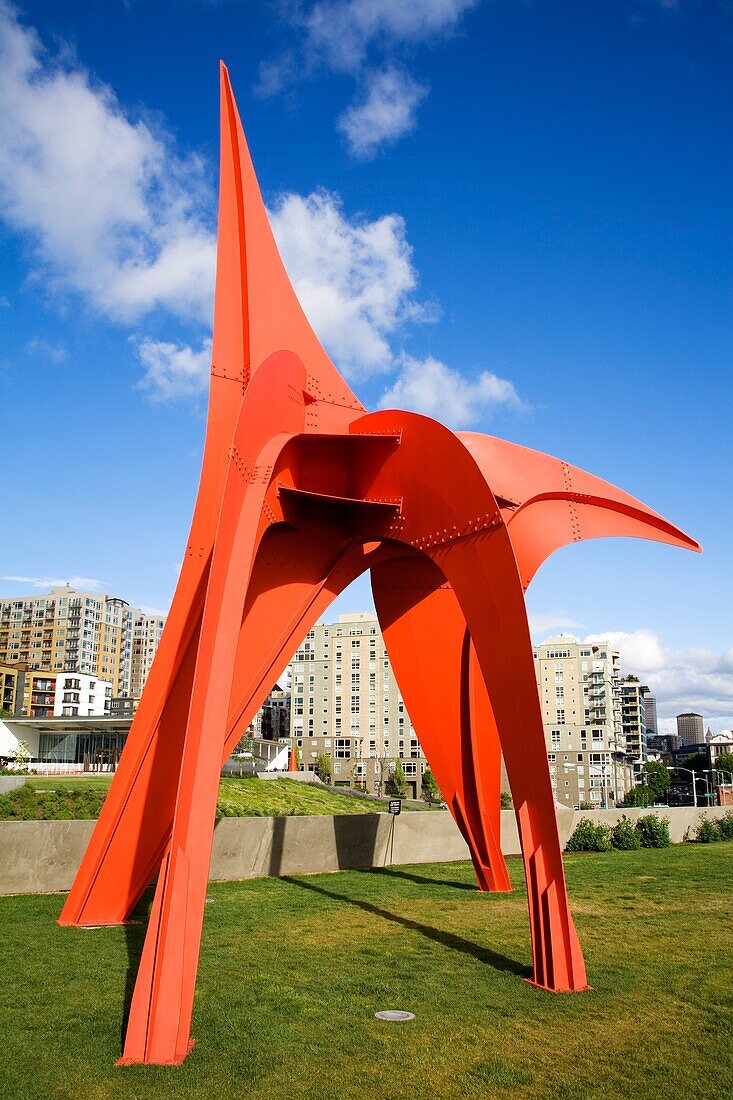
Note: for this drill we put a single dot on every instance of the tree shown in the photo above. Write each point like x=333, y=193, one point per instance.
x=505, y=800
x=22, y=755
x=724, y=763
x=695, y=762
x=396, y=785
x=430, y=788
x=323, y=768
x=639, y=796
x=657, y=779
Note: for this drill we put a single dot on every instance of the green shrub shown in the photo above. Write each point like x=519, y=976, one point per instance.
x=725, y=825
x=624, y=836
x=653, y=831
x=707, y=831
x=589, y=837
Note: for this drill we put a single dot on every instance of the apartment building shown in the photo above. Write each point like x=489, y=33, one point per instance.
x=345, y=703
x=147, y=631
x=38, y=693
x=633, y=697
x=84, y=632
x=272, y=720
x=77, y=695
x=581, y=710
x=114, y=658
x=10, y=697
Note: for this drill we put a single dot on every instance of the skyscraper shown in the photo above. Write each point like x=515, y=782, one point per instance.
x=690, y=728
x=650, y=708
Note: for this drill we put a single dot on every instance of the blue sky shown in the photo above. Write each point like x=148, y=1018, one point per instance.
x=514, y=216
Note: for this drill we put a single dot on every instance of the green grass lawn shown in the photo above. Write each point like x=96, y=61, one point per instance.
x=293, y=970
x=72, y=782
x=45, y=797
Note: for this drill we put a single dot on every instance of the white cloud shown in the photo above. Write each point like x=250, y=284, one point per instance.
x=430, y=387
x=540, y=622
x=148, y=610
x=173, y=371
x=386, y=112
x=4, y=302
x=46, y=350
x=640, y=650
x=341, y=35
x=116, y=213
x=81, y=584
x=111, y=209
x=354, y=278
x=700, y=680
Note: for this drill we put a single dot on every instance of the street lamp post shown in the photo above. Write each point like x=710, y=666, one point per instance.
x=694, y=781
x=706, y=781
x=720, y=783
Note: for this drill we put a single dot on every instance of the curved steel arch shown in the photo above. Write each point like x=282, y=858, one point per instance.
x=301, y=491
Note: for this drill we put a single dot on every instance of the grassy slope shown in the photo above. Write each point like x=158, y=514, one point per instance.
x=45, y=797
x=285, y=798
x=292, y=972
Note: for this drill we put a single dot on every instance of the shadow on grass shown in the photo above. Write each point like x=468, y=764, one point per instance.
x=438, y=935
x=422, y=880
x=135, y=931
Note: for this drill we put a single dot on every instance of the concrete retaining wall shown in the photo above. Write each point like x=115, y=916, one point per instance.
x=11, y=782
x=42, y=856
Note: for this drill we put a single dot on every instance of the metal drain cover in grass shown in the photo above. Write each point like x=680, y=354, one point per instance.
x=393, y=1017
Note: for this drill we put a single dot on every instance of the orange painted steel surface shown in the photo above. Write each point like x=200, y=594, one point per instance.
x=302, y=491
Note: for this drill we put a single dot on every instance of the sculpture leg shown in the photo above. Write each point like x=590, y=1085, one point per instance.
x=159, y=1022
x=162, y=1002
x=455, y=724
x=133, y=827
x=484, y=576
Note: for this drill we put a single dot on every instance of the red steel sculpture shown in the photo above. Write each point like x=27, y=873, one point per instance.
x=301, y=491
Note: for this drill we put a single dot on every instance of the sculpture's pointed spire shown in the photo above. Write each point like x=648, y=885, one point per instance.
x=256, y=311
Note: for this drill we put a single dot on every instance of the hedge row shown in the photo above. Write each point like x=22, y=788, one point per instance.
x=649, y=831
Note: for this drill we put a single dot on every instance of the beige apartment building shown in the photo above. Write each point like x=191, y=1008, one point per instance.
x=581, y=710
x=72, y=631
x=10, y=677
x=147, y=631
x=345, y=703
